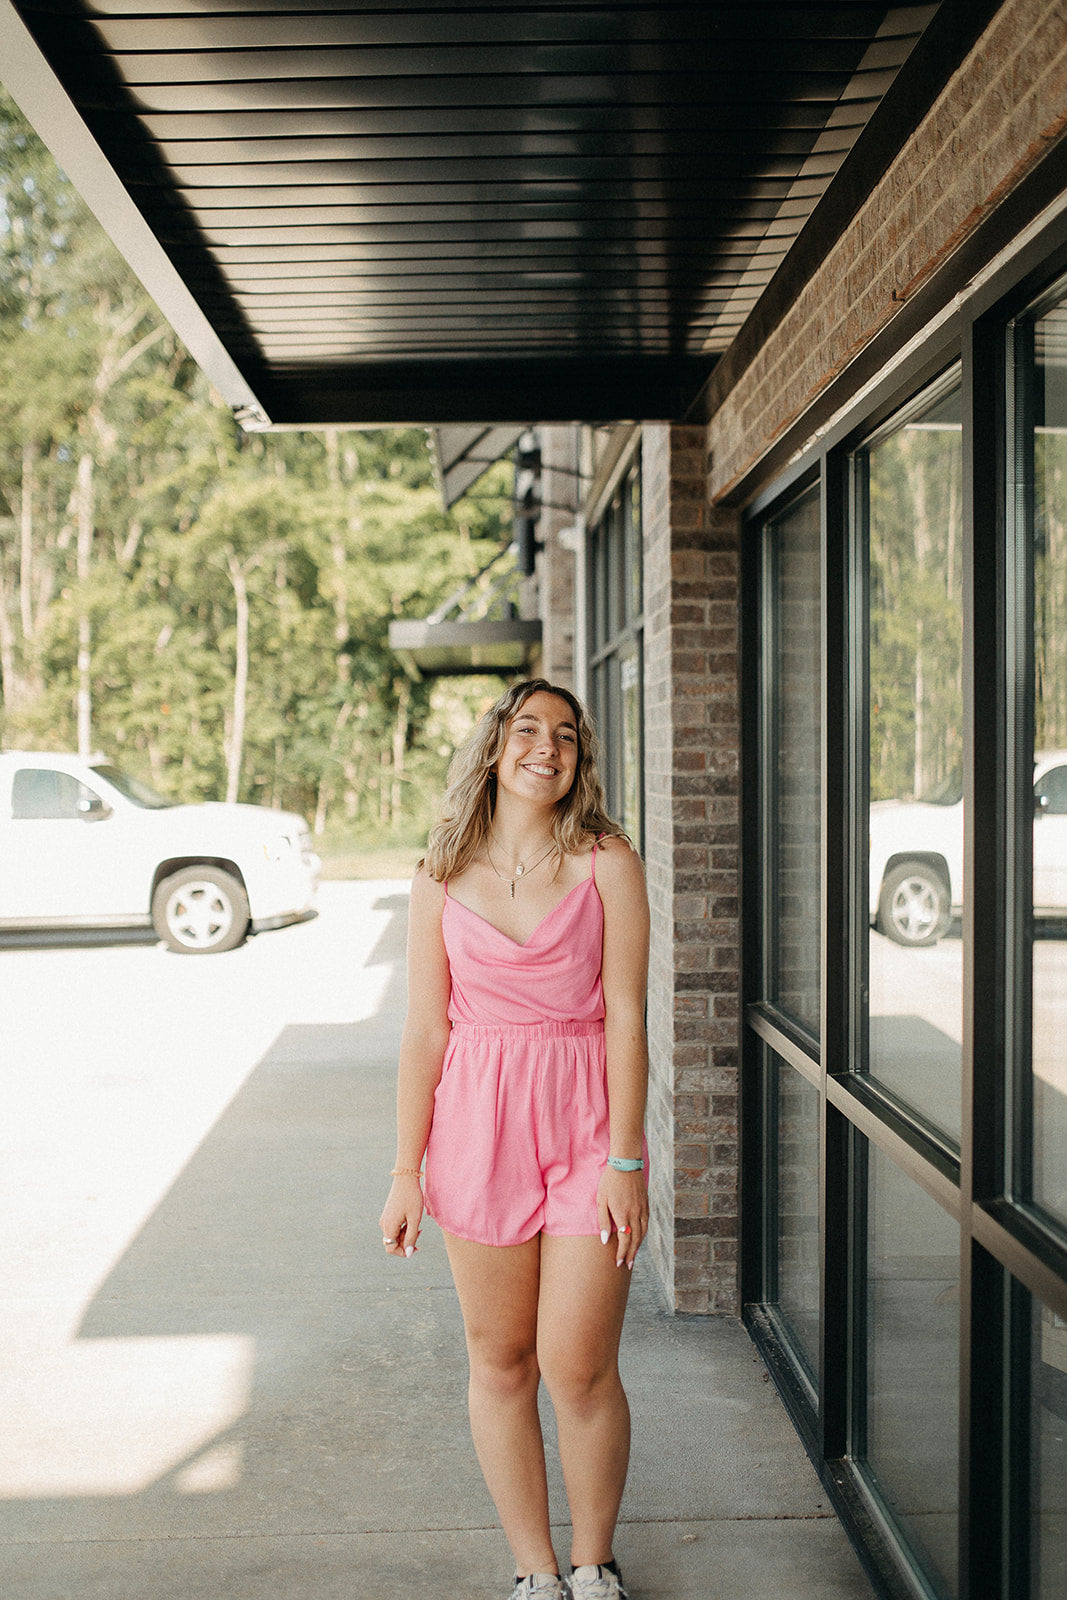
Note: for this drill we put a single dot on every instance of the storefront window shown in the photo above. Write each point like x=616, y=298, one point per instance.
x=794, y=819
x=797, y=1258
x=616, y=625
x=1042, y=388
x=1048, y=1474
x=905, y=1031
x=912, y=1405
x=910, y=508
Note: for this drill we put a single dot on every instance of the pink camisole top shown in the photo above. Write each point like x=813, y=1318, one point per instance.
x=553, y=977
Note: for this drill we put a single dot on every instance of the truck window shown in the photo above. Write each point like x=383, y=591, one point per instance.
x=1052, y=788
x=140, y=793
x=38, y=794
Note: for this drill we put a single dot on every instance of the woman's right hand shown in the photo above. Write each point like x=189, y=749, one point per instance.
x=401, y=1217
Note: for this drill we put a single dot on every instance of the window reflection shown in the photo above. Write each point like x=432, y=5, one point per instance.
x=909, y=485
x=913, y=1361
x=632, y=765
x=1048, y=1477
x=1043, y=387
x=616, y=622
x=797, y=1295
x=793, y=545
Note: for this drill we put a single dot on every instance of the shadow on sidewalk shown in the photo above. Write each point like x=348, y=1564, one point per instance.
x=304, y=1397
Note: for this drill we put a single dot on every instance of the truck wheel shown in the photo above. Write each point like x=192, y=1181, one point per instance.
x=200, y=911
x=914, y=908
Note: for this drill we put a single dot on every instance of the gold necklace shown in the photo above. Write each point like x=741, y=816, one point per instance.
x=520, y=867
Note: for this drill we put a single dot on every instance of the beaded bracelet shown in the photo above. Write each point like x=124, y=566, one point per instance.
x=406, y=1172
x=626, y=1164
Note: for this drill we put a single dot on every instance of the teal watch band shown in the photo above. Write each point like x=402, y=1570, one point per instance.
x=626, y=1164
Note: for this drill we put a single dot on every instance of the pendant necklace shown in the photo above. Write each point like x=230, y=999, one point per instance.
x=520, y=868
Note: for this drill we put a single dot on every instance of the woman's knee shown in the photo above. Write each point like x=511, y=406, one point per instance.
x=503, y=1368
x=581, y=1381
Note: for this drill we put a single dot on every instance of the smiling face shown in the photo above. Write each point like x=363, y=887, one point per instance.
x=540, y=755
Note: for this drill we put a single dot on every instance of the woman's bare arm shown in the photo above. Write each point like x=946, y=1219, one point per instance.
x=622, y=1197
x=422, y=1049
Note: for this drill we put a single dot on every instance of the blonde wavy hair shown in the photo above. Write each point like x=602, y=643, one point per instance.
x=470, y=794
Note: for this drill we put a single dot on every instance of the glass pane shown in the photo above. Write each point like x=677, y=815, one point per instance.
x=913, y=1362
x=632, y=766
x=798, y=1212
x=1048, y=1476
x=600, y=711
x=611, y=734
x=913, y=480
x=635, y=559
x=598, y=589
x=795, y=810
x=616, y=558
x=1048, y=384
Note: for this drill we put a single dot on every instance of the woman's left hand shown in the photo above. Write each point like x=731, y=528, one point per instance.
x=622, y=1207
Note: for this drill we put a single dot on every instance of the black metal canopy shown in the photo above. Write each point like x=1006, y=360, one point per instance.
x=459, y=212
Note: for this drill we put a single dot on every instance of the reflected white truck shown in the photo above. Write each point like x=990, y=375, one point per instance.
x=916, y=855
x=83, y=845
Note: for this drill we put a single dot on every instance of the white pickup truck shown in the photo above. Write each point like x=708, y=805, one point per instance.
x=916, y=855
x=83, y=845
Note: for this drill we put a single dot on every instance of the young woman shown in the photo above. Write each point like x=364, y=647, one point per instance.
x=523, y=1072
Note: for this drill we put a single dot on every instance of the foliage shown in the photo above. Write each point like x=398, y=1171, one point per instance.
x=208, y=607
x=1050, y=590
x=916, y=605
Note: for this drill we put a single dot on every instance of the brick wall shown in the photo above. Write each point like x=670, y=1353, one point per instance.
x=692, y=858
x=1001, y=113
x=996, y=119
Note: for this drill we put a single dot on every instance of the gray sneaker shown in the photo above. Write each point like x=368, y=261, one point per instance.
x=541, y=1586
x=598, y=1583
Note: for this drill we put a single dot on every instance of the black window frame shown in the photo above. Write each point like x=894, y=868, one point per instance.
x=1012, y=1257
x=615, y=624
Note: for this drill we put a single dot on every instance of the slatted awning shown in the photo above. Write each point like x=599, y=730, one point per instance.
x=447, y=211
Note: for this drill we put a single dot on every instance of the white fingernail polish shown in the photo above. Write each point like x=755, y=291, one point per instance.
x=604, y=1235
x=409, y=1250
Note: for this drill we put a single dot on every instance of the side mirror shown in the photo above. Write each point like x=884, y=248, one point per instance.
x=92, y=809
x=1040, y=804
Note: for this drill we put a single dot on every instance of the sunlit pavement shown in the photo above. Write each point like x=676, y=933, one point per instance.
x=213, y=1383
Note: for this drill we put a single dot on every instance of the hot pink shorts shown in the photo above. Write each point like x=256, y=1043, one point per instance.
x=520, y=1131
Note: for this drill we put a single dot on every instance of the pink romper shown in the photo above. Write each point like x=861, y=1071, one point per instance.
x=520, y=1123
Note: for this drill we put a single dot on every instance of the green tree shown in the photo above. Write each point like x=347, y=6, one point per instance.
x=209, y=606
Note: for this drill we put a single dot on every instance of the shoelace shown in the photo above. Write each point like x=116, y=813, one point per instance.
x=602, y=1587
x=550, y=1587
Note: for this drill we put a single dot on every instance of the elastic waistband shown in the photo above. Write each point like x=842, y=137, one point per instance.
x=531, y=1030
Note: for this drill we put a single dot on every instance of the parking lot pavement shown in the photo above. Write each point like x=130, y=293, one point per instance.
x=211, y=1380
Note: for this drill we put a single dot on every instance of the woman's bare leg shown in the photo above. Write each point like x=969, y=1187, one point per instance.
x=581, y=1307
x=498, y=1289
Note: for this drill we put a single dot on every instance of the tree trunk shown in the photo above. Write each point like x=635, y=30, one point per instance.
x=322, y=805
x=325, y=789
x=85, y=636
x=240, y=680
x=29, y=461
x=400, y=742
x=10, y=688
x=383, y=788
x=919, y=785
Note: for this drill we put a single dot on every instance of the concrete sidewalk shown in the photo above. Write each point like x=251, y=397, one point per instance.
x=346, y=1470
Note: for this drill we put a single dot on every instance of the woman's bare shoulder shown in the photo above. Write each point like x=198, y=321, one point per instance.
x=618, y=865
x=427, y=894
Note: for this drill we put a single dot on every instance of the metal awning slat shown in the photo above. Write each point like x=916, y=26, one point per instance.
x=664, y=26
x=384, y=121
